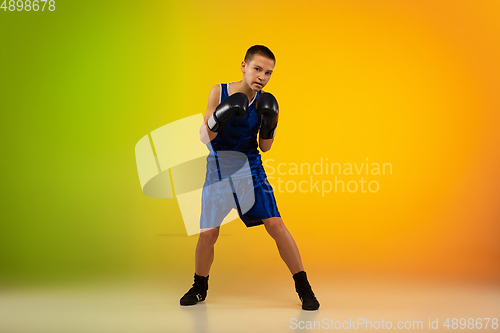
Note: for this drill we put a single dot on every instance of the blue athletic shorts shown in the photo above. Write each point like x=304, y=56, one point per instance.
x=252, y=196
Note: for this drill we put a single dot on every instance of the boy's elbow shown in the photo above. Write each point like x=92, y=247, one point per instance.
x=204, y=135
x=265, y=147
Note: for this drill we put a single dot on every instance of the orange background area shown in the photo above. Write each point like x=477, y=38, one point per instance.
x=411, y=83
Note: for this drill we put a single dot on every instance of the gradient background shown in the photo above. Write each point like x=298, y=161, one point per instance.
x=412, y=83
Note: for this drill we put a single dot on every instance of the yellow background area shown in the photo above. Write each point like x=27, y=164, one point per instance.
x=411, y=83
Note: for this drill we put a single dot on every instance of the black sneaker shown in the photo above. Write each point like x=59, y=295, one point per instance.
x=306, y=295
x=198, y=291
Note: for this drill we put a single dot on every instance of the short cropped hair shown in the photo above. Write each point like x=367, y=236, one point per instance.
x=260, y=50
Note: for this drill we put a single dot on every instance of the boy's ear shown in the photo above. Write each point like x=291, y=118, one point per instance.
x=243, y=65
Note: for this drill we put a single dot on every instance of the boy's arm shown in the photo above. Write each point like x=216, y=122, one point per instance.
x=207, y=135
x=265, y=144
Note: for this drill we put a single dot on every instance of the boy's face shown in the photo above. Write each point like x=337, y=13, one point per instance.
x=257, y=72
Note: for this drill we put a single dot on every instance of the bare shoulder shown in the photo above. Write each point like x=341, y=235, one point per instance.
x=213, y=101
x=215, y=91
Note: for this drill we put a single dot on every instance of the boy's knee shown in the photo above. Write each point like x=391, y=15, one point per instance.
x=275, y=226
x=209, y=235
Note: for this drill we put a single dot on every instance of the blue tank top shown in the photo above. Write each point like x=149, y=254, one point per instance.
x=238, y=135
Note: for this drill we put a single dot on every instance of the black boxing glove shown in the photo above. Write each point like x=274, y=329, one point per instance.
x=234, y=105
x=267, y=110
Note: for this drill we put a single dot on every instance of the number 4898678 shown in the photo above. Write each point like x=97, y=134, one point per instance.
x=28, y=5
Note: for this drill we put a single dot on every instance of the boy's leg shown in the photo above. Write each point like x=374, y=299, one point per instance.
x=290, y=254
x=286, y=244
x=204, y=256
